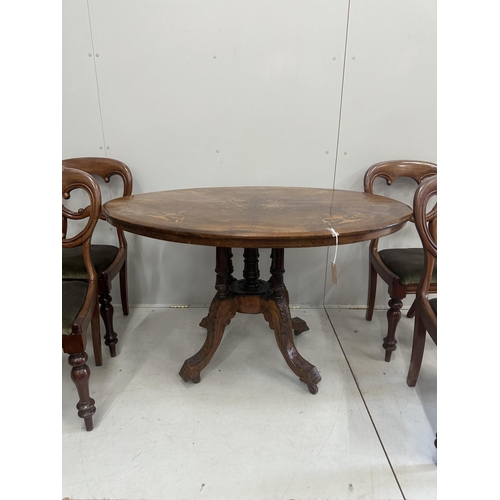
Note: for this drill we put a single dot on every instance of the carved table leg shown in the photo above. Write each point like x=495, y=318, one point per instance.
x=222, y=310
x=230, y=278
x=298, y=325
x=80, y=374
x=393, y=317
x=277, y=313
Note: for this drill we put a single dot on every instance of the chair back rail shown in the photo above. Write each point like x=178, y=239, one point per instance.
x=105, y=168
x=395, y=169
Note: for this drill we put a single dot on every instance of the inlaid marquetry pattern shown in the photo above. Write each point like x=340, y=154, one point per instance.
x=258, y=217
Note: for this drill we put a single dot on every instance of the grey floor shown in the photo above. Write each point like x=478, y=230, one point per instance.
x=250, y=429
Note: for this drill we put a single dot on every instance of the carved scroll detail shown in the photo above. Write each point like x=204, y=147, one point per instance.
x=221, y=312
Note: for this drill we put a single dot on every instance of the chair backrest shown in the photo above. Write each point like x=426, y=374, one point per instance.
x=426, y=224
x=72, y=180
x=395, y=169
x=105, y=168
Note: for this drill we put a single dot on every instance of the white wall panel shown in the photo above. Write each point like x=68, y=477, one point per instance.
x=219, y=93
x=388, y=112
x=81, y=123
x=231, y=92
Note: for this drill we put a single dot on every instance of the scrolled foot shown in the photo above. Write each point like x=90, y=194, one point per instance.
x=313, y=389
x=196, y=380
x=299, y=326
x=188, y=374
x=220, y=314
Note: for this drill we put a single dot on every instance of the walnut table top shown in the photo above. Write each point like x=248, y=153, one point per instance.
x=258, y=217
x=253, y=218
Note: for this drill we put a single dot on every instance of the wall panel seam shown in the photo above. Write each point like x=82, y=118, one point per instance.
x=338, y=136
x=97, y=80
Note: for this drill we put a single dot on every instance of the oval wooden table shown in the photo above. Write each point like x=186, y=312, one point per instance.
x=253, y=218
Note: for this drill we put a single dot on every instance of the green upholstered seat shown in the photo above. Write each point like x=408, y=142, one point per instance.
x=73, y=297
x=407, y=263
x=74, y=267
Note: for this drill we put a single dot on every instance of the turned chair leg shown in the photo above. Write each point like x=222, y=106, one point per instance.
x=417, y=352
x=124, y=288
x=372, y=290
x=107, y=309
x=80, y=374
x=393, y=317
x=95, y=326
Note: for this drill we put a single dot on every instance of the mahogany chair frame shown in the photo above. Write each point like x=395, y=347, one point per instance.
x=390, y=171
x=106, y=168
x=75, y=343
x=425, y=316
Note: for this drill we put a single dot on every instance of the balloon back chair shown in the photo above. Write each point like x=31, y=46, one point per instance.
x=79, y=297
x=425, y=308
x=109, y=260
x=400, y=268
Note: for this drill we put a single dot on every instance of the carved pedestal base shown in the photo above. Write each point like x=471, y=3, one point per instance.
x=252, y=296
x=298, y=325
